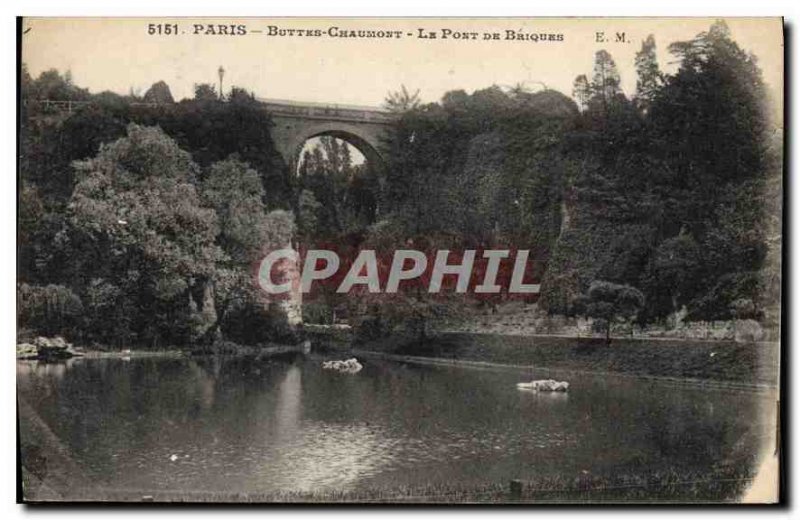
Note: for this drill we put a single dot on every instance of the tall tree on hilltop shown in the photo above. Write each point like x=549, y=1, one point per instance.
x=605, y=80
x=648, y=75
x=709, y=124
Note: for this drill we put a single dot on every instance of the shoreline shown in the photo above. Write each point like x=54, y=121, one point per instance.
x=711, y=363
x=722, y=363
x=485, y=365
x=465, y=363
x=598, y=337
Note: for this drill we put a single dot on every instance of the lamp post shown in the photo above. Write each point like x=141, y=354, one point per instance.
x=221, y=73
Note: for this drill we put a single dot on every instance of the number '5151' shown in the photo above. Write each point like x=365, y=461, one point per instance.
x=162, y=28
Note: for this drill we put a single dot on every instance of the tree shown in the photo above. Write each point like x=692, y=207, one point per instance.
x=308, y=210
x=214, y=131
x=709, y=121
x=51, y=309
x=708, y=131
x=608, y=303
x=605, y=84
x=648, y=75
x=240, y=95
x=402, y=100
x=244, y=313
x=52, y=86
x=205, y=92
x=158, y=94
x=345, y=191
x=136, y=225
x=235, y=191
x=581, y=91
x=247, y=233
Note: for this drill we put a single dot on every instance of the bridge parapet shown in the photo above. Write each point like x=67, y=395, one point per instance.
x=276, y=107
x=327, y=111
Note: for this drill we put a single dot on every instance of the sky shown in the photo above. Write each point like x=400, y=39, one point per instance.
x=119, y=55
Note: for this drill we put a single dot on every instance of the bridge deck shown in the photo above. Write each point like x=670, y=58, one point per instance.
x=311, y=110
x=278, y=107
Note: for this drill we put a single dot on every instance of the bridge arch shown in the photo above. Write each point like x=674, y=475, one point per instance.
x=368, y=143
x=296, y=122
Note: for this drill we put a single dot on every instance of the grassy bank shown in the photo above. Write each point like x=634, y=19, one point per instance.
x=748, y=363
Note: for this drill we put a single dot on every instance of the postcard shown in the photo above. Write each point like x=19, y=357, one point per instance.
x=400, y=260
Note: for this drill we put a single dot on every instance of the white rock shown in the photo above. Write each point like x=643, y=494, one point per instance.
x=545, y=385
x=348, y=366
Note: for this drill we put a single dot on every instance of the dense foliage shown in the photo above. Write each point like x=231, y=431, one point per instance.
x=141, y=219
x=675, y=191
x=673, y=195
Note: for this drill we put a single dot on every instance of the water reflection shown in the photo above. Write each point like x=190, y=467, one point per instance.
x=287, y=414
x=54, y=370
x=548, y=397
x=244, y=425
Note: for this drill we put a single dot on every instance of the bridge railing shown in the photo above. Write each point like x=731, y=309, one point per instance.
x=367, y=114
x=329, y=111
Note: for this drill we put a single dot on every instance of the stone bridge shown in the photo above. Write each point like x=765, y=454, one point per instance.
x=296, y=122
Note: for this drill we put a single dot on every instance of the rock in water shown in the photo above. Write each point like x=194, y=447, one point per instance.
x=348, y=366
x=545, y=385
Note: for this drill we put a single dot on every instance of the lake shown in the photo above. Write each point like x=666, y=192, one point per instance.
x=204, y=426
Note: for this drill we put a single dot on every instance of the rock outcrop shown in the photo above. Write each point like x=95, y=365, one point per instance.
x=46, y=349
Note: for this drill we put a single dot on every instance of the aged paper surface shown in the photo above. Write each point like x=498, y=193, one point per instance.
x=423, y=260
